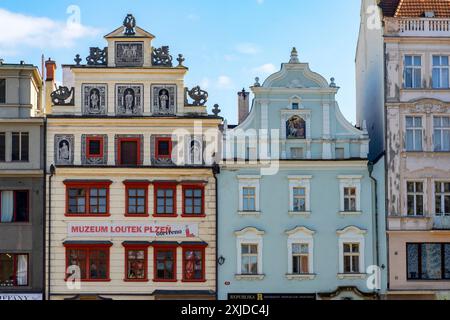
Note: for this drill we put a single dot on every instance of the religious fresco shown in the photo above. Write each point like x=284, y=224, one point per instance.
x=296, y=128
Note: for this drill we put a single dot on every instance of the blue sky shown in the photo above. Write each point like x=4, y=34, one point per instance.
x=226, y=43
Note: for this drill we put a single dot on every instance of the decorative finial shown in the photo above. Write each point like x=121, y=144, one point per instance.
x=1, y=61
x=333, y=83
x=129, y=23
x=180, y=60
x=216, y=110
x=77, y=59
x=257, y=84
x=294, y=56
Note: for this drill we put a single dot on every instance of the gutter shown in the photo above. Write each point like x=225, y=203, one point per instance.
x=52, y=173
x=216, y=171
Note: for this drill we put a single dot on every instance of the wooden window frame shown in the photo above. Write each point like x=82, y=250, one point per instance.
x=136, y=185
x=88, y=153
x=163, y=139
x=15, y=207
x=193, y=187
x=15, y=268
x=165, y=185
x=119, y=149
x=87, y=186
x=164, y=247
x=88, y=248
x=21, y=134
x=3, y=156
x=196, y=247
x=136, y=247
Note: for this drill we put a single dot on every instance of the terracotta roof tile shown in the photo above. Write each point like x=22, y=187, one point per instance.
x=417, y=8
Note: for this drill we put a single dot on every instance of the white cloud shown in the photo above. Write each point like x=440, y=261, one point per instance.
x=224, y=82
x=259, y=1
x=248, y=48
x=205, y=83
x=39, y=32
x=265, y=69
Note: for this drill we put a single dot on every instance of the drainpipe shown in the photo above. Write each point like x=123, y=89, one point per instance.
x=216, y=171
x=375, y=183
x=44, y=207
x=52, y=173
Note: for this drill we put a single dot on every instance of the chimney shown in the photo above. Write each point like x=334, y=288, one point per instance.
x=50, y=67
x=243, y=105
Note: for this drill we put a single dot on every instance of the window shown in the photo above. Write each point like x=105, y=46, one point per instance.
x=165, y=200
x=163, y=148
x=249, y=256
x=249, y=248
x=136, y=198
x=94, y=147
x=430, y=261
x=13, y=270
x=193, y=264
x=440, y=72
x=136, y=262
x=442, y=198
x=299, y=199
x=413, y=72
x=415, y=195
x=351, y=250
x=92, y=261
x=300, y=251
x=297, y=153
x=295, y=106
x=414, y=132
x=340, y=153
x=2, y=91
x=129, y=153
x=351, y=258
x=249, y=198
x=441, y=134
x=350, y=199
x=14, y=206
x=2, y=147
x=300, y=258
x=350, y=190
x=87, y=198
x=165, y=259
x=19, y=146
x=193, y=200
x=299, y=187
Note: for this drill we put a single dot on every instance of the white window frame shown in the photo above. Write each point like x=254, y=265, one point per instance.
x=414, y=70
x=301, y=235
x=350, y=182
x=442, y=195
x=354, y=235
x=440, y=131
x=414, y=129
x=440, y=67
x=249, y=236
x=249, y=182
x=300, y=182
x=424, y=197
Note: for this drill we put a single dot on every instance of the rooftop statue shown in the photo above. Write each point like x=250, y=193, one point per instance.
x=129, y=23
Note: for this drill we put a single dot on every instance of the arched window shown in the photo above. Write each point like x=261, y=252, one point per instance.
x=195, y=151
x=296, y=128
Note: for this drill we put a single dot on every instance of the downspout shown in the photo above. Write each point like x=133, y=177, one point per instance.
x=216, y=171
x=44, y=208
x=52, y=173
x=375, y=184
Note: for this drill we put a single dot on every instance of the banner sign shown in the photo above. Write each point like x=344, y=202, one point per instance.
x=120, y=230
x=20, y=297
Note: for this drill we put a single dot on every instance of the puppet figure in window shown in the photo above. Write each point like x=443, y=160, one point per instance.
x=64, y=151
x=190, y=265
x=196, y=154
x=128, y=98
x=164, y=100
x=296, y=128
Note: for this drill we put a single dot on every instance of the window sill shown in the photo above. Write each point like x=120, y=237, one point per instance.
x=250, y=277
x=162, y=281
x=301, y=277
x=137, y=215
x=136, y=280
x=18, y=224
x=300, y=213
x=165, y=216
x=199, y=216
x=87, y=215
x=100, y=280
x=194, y=281
x=350, y=213
x=351, y=276
x=249, y=213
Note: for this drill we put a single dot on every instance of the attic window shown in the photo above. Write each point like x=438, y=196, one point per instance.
x=429, y=14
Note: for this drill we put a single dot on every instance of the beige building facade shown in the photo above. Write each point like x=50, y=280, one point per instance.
x=132, y=188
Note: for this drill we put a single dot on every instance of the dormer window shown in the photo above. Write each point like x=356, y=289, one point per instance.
x=295, y=106
x=429, y=14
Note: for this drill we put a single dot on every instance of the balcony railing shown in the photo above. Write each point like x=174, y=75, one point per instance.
x=421, y=27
